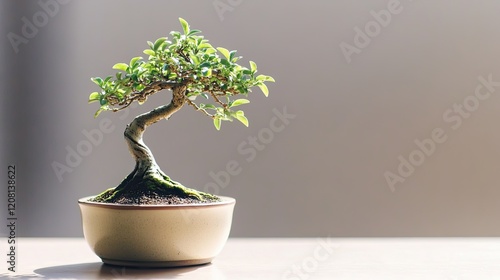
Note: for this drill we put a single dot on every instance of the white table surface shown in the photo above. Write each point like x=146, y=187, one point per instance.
x=263, y=259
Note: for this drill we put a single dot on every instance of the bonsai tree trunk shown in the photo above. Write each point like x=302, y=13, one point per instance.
x=147, y=178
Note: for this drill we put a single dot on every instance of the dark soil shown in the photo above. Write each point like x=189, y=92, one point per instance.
x=152, y=198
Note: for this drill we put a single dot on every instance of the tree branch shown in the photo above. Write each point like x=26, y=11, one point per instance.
x=199, y=109
x=224, y=105
x=141, y=95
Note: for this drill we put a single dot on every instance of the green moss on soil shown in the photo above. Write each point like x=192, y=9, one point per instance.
x=153, y=187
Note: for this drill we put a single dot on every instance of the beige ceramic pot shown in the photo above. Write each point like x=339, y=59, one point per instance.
x=156, y=235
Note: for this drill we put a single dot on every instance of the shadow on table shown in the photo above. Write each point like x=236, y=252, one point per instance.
x=99, y=270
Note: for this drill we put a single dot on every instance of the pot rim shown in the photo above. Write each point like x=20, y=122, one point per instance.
x=225, y=201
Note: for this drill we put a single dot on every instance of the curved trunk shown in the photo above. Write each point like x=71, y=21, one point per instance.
x=135, y=130
x=147, y=177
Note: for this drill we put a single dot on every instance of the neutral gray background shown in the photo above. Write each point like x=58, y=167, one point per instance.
x=323, y=175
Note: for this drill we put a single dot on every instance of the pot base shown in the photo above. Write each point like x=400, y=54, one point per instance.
x=160, y=264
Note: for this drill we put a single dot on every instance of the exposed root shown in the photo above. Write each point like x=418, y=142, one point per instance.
x=151, y=183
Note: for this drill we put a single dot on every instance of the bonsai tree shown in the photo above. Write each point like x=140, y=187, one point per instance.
x=190, y=68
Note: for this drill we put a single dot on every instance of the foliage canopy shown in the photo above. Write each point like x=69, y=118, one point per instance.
x=187, y=59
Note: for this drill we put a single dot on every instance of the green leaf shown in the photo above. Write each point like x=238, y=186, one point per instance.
x=158, y=43
x=236, y=58
x=140, y=87
x=120, y=66
x=209, y=106
x=205, y=46
x=194, y=31
x=134, y=77
x=172, y=76
x=239, y=102
x=210, y=50
x=231, y=55
x=241, y=117
x=265, y=78
x=224, y=52
x=225, y=62
x=134, y=60
x=149, y=52
x=195, y=59
x=253, y=66
x=207, y=72
x=185, y=26
x=205, y=64
x=217, y=123
x=264, y=89
x=98, y=81
x=247, y=72
x=94, y=96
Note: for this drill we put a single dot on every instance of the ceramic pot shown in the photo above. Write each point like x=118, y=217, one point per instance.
x=156, y=235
